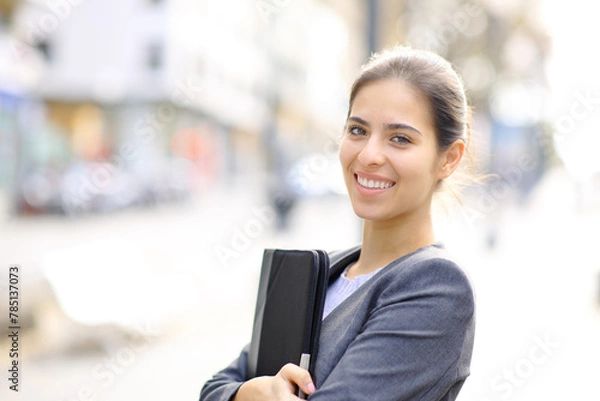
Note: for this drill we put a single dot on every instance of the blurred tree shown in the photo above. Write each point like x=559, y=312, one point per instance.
x=7, y=7
x=500, y=50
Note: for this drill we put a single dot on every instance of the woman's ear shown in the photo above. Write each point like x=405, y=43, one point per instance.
x=450, y=159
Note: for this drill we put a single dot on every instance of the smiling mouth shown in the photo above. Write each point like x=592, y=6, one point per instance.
x=373, y=184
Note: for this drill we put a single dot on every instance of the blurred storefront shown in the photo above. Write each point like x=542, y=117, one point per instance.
x=8, y=144
x=18, y=75
x=149, y=101
x=105, y=109
x=252, y=87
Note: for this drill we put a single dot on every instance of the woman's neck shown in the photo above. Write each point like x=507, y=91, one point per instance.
x=384, y=242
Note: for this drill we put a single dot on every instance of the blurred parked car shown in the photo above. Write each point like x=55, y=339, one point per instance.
x=87, y=187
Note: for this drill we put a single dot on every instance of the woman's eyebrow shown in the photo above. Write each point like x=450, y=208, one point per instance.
x=359, y=120
x=401, y=126
x=388, y=127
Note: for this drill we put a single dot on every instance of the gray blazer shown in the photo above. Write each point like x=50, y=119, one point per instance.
x=406, y=334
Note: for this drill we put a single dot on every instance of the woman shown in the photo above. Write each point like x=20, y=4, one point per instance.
x=399, y=313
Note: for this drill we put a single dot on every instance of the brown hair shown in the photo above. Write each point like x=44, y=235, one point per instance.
x=434, y=77
x=437, y=80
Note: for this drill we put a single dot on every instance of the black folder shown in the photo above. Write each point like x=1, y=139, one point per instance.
x=289, y=310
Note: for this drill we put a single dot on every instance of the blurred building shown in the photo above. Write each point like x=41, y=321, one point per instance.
x=17, y=77
x=140, y=101
x=120, y=103
x=501, y=51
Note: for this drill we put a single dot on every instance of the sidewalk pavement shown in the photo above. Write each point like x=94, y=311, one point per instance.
x=187, y=275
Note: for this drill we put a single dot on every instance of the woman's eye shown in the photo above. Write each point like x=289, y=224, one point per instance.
x=400, y=139
x=354, y=130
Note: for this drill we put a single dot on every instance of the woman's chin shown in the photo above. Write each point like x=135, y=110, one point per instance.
x=369, y=214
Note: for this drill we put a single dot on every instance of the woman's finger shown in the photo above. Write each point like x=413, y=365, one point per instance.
x=296, y=375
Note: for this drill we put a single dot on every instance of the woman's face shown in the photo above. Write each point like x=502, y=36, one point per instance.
x=389, y=152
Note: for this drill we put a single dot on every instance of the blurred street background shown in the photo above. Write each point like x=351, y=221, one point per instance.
x=150, y=150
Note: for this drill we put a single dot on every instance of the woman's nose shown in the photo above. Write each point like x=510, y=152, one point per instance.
x=372, y=154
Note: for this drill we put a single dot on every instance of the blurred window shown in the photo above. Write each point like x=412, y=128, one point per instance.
x=45, y=48
x=154, y=56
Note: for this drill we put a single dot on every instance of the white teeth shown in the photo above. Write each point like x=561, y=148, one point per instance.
x=373, y=184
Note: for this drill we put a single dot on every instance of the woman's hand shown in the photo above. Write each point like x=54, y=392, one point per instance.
x=282, y=386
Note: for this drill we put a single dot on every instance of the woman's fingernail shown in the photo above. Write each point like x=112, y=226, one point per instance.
x=311, y=388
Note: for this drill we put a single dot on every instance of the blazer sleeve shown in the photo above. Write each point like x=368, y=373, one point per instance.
x=224, y=385
x=415, y=344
